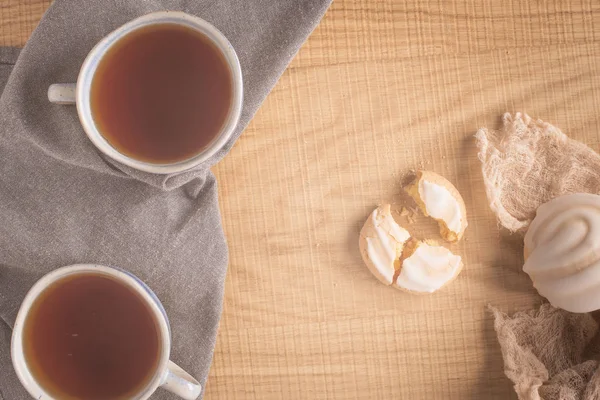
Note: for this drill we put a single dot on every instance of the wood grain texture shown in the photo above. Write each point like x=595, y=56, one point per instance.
x=380, y=88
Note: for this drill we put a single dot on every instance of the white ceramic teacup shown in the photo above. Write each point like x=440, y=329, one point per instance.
x=79, y=93
x=167, y=374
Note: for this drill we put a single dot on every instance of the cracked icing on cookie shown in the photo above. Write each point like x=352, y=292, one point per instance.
x=384, y=242
x=428, y=268
x=441, y=204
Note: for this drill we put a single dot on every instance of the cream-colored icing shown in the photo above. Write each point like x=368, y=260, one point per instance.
x=428, y=269
x=441, y=204
x=384, y=245
x=563, y=243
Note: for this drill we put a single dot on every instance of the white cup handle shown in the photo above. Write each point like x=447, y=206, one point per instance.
x=181, y=383
x=62, y=93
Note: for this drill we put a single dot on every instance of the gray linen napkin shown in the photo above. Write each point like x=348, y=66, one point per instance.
x=61, y=202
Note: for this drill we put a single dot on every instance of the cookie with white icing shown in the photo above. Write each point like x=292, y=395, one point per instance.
x=401, y=261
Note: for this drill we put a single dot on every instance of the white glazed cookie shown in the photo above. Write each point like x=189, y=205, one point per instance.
x=562, y=252
x=438, y=198
x=381, y=243
x=405, y=263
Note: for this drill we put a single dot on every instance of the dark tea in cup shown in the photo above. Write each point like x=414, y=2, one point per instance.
x=89, y=336
x=88, y=331
x=162, y=93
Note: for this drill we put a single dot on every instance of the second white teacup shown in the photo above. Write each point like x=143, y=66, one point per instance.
x=81, y=322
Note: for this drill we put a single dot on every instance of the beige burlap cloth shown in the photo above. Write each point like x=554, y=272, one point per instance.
x=549, y=353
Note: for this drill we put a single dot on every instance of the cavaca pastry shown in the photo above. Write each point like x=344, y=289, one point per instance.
x=562, y=252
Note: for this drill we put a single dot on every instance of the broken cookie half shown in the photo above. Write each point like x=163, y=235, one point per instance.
x=381, y=243
x=426, y=267
x=439, y=199
x=401, y=261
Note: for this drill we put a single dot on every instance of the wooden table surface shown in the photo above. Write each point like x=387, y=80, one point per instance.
x=380, y=88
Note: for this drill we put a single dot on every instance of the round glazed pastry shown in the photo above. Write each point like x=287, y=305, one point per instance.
x=562, y=252
x=401, y=261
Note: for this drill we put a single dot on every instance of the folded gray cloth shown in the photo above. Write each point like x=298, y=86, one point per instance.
x=62, y=202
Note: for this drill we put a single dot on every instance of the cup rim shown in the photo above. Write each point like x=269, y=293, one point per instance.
x=17, y=354
x=89, y=66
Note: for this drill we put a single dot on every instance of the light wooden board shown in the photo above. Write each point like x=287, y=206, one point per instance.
x=380, y=88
